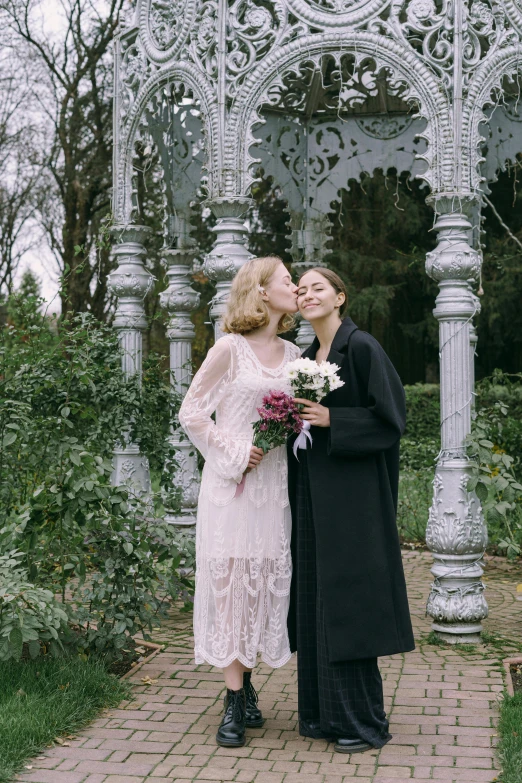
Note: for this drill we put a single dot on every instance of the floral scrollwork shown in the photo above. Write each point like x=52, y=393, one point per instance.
x=205, y=37
x=253, y=31
x=165, y=17
x=165, y=26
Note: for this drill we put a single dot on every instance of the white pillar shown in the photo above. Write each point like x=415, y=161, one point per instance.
x=456, y=533
x=229, y=252
x=131, y=282
x=181, y=476
x=473, y=339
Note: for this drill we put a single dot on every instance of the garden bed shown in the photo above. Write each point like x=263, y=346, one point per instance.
x=513, y=668
x=133, y=662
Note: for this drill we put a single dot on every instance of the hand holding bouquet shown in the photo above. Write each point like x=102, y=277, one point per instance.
x=311, y=381
x=279, y=417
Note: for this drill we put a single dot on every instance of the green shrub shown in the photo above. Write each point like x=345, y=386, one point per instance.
x=28, y=614
x=494, y=479
x=415, y=492
x=63, y=403
x=134, y=561
x=422, y=411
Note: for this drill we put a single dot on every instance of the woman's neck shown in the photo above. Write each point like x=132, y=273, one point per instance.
x=326, y=329
x=265, y=334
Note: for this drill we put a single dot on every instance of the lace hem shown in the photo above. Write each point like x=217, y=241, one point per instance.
x=201, y=656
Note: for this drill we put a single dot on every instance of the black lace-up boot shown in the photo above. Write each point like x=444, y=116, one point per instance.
x=231, y=732
x=254, y=717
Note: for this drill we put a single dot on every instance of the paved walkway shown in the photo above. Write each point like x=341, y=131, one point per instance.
x=442, y=705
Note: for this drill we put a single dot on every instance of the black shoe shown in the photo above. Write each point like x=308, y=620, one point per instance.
x=344, y=745
x=231, y=732
x=254, y=717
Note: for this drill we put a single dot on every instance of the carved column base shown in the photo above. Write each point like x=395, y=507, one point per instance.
x=456, y=602
x=457, y=537
x=131, y=469
x=181, y=489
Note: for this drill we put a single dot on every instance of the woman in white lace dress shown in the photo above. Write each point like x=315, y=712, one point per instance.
x=243, y=563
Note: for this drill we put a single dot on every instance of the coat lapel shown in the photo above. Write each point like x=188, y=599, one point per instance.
x=342, y=336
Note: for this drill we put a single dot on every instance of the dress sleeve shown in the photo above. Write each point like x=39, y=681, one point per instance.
x=360, y=431
x=227, y=455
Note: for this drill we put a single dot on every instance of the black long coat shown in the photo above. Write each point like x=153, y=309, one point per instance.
x=353, y=469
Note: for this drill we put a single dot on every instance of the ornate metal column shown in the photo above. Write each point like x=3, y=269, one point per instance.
x=308, y=250
x=456, y=532
x=473, y=340
x=229, y=252
x=131, y=282
x=180, y=299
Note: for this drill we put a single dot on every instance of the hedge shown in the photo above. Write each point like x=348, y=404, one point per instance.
x=423, y=412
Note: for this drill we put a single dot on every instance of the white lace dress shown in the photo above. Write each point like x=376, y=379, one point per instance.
x=243, y=563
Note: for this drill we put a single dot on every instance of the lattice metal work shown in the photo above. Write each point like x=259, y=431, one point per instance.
x=314, y=92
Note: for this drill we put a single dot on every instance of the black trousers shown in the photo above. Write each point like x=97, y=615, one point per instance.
x=334, y=699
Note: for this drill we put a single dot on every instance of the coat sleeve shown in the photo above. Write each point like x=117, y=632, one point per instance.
x=360, y=431
x=227, y=455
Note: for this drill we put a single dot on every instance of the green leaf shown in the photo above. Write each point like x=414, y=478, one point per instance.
x=472, y=483
x=482, y=491
x=65, y=411
x=34, y=648
x=16, y=643
x=8, y=439
x=128, y=548
x=75, y=459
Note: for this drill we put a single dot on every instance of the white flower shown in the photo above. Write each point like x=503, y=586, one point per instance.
x=302, y=366
x=317, y=384
x=328, y=369
x=335, y=382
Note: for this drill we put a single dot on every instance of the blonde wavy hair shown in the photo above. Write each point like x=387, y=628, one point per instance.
x=246, y=310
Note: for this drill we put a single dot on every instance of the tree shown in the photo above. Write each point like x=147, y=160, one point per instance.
x=19, y=175
x=70, y=75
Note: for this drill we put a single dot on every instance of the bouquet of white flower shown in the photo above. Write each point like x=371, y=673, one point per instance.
x=311, y=381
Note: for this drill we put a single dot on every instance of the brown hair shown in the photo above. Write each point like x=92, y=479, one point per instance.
x=334, y=280
x=246, y=310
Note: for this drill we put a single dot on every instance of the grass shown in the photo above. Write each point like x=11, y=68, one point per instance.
x=415, y=491
x=47, y=698
x=510, y=732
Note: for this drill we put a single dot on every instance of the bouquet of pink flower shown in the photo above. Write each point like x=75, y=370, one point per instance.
x=279, y=418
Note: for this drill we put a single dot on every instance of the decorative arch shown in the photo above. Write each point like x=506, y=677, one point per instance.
x=421, y=85
x=488, y=78
x=181, y=73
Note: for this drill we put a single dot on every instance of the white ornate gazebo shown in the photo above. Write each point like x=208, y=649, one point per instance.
x=315, y=92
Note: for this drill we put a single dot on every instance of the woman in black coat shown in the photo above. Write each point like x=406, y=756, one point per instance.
x=348, y=601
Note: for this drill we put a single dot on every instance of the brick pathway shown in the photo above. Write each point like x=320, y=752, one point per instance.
x=442, y=705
